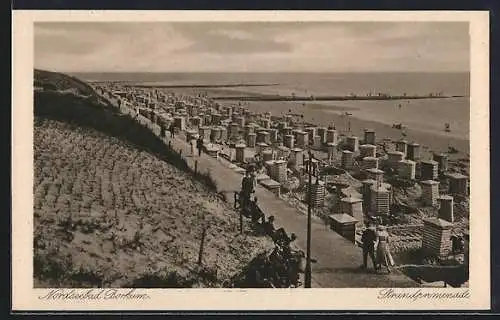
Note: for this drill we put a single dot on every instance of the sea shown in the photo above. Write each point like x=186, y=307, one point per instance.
x=429, y=115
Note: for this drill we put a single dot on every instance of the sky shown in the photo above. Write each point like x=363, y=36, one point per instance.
x=252, y=46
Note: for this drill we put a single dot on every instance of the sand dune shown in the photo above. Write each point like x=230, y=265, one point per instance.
x=114, y=207
x=107, y=214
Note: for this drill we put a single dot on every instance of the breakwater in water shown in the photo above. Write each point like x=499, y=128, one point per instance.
x=328, y=98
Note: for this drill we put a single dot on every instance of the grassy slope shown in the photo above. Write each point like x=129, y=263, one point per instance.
x=61, y=82
x=110, y=212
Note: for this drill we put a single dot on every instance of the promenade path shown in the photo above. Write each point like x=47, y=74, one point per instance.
x=338, y=260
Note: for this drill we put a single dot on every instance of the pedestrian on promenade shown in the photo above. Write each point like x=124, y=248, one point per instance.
x=193, y=146
x=163, y=132
x=199, y=145
x=246, y=188
x=368, y=239
x=384, y=257
x=172, y=130
x=253, y=179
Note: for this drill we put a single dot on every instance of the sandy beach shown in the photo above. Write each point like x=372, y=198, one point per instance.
x=326, y=113
x=428, y=139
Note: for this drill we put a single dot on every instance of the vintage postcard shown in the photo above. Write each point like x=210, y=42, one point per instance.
x=250, y=160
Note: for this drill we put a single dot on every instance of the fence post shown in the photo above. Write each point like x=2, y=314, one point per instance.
x=200, y=254
x=241, y=220
x=196, y=166
x=70, y=220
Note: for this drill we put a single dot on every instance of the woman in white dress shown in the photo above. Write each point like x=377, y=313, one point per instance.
x=383, y=254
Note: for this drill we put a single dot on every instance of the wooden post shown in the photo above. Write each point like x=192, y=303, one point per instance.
x=180, y=152
x=70, y=219
x=196, y=166
x=241, y=221
x=203, y=234
x=170, y=144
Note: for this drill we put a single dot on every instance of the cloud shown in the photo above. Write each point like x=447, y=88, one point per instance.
x=221, y=44
x=228, y=38
x=252, y=46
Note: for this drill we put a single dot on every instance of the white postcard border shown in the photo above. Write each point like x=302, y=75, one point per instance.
x=25, y=297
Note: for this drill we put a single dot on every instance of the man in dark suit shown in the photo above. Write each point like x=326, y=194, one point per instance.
x=172, y=131
x=199, y=145
x=368, y=239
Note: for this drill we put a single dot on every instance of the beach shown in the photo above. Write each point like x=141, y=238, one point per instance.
x=425, y=128
x=428, y=138
x=424, y=118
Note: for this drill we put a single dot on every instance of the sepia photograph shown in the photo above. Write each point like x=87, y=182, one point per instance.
x=251, y=154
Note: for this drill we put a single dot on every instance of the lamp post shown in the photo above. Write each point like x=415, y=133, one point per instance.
x=307, y=282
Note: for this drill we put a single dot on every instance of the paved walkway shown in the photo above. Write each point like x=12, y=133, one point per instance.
x=338, y=260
